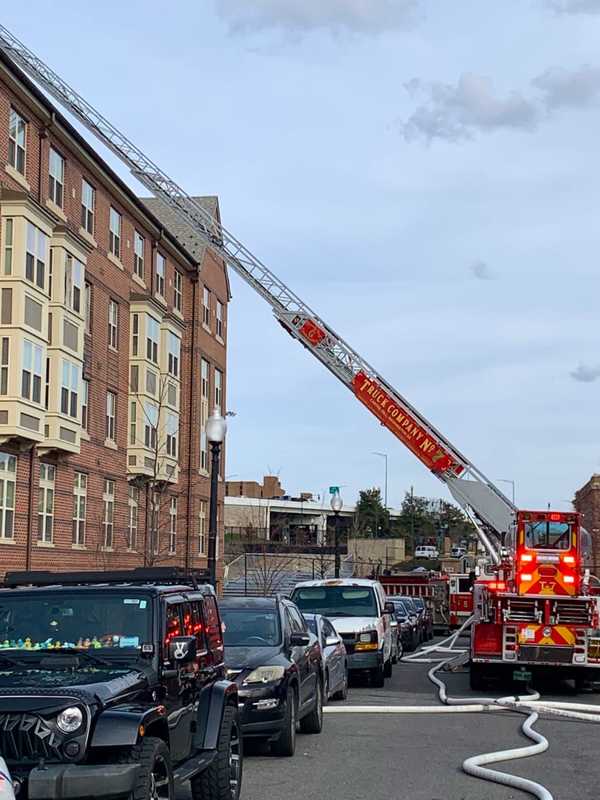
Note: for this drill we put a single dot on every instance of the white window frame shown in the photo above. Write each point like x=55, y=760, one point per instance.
x=108, y=519
x=9, y=229
x=111, y=416
x=85, y=403
x=160, y=268
x=33, y=358
x=206, y=306
x=219, y=319
x=133, y=519
x=173, y=526
x=88, y=291
x=219, y=389
x=152, y=341
x=17, y=141
x=4, y=364
x=151, y=419
x=113, y=324
x=80, y=480
x=74, y=272
x=56, y=176
x=46, y=503
x=172, y=431
x=133, y=423
x=174, y=354
x=204, y=398
x=69, y=391
x=8, y=487
x=88, y=206
x=202, y=537
x=178, y=291
x=115, y=225
x=36, y=256
x=139, y=244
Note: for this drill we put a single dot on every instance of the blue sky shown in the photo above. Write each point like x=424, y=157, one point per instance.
x=424, y=174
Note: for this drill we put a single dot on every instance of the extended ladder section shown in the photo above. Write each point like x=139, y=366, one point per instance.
x=489, y=509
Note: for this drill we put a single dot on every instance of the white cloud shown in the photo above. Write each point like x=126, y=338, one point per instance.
x=585, y=373
x=482, y=271
x=367, y=17
x=574, y=6
x=456, y=112
x=563, y=89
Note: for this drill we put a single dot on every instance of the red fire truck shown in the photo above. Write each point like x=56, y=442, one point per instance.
x=460, y=599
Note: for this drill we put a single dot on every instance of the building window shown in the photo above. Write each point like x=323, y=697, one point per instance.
x=202, y=529
x=219, y=390
x=160, y=274
x=35, y=258
x=88, y=204
x=135, y=334
x=173, y=526
x=114, y=233
x=150, y=425
x=8, y=470
x=134, y=502
x=138, y=254
x=70, y=389
x=88, y=307
x=204, y=390
x=47, y=387
x=8, y=245
x=74, y=270
x=17, y=135
x=178, y=291
x=174, y=343
x=4, y=356
x=111, y=415
x=206, y=307
x=113, y=324
x=85, y=404
x=46, y=503
x=133, y=422
x=79, y=503
x=172, y=434
x=57, y=177
x=109, y=512
x=31, y=376
x=152, y=337
x=219, y=318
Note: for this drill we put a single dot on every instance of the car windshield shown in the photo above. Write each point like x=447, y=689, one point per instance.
x=250, y=627
x=546, y=535
x=409, y=603
x=401, y=609
x=419, y=603
x=337, y=601
x=86, y=620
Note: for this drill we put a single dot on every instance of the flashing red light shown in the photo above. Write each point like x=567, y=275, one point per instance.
x=554, y=517
x=526, y=576
x=569, y=579
x=526, y=557
x=569, y=559
x=497, y=586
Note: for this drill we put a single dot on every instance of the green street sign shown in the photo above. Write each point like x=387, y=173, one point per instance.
x=334, y=490
x=522, y=675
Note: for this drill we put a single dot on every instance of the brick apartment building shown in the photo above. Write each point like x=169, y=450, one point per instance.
x=112, y=353
x=587, y=502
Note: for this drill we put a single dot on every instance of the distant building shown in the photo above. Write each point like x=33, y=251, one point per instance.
x=587, y=502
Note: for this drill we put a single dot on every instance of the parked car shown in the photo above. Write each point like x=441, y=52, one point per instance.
x=426, y=551
x=457, y=551
x=427, y=616
x=115, y=683
x=357, y=608
x=335, y=658
x=397, y=646
x=277, y=665
x=407, y=623
x=413, y=609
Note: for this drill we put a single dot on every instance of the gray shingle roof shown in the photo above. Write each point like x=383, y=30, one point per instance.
x=182, y=232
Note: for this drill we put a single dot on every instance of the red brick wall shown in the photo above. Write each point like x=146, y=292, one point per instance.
x=109, y=370
x=587, y=502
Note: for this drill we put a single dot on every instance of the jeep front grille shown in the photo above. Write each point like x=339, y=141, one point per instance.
x=28, y=737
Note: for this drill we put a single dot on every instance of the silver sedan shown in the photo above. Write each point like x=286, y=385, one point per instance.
x=335, y=659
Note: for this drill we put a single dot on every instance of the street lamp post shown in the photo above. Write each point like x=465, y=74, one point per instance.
x=336, y=507
x=512, y=483
x=385, y=493
x=216, y=428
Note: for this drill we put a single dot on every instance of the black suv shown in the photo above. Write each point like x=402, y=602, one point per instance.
x=113, y=684
x=277, y=663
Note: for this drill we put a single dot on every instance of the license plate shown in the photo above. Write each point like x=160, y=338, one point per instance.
x=522, y=675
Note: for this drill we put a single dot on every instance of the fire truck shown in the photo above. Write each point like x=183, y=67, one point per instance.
x=431, y=586
x=460, y=599
x=539, y=606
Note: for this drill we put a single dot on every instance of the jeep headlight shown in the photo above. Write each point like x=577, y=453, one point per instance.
x=265, y=675
x=70, y=720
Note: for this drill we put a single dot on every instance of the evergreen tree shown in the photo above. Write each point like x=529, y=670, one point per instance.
x=372, y=519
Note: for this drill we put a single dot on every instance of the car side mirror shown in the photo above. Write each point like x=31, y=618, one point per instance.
x=299, y=639
x=182, y=649
x=389, y=608
x=331, y=641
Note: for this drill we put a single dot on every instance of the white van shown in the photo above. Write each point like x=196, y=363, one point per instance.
x=358, y=610
x=426, y=551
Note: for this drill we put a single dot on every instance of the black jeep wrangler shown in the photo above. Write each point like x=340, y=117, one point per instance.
x=112, y=684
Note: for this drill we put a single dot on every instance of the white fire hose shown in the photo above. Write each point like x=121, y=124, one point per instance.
x=6, y=787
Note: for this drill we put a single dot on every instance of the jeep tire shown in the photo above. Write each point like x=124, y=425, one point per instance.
x=285, y=745
x=155, y=776
x=222, y=780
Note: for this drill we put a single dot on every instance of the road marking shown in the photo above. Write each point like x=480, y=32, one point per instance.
x=409, y=709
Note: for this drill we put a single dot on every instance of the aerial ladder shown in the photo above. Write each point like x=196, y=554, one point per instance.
x=538, y=590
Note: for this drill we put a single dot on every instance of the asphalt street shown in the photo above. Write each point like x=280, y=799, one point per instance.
x=380, y=756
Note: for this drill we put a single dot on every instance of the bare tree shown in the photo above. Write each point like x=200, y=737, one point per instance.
x=269, y=572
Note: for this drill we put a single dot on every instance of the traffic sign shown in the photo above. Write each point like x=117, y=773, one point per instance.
x=334, y=490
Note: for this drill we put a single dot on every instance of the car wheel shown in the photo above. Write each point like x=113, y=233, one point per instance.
x=400, y=650
x=342, y=693
x=313, y=722
x=286, y=744
x=222, y=780
x=387, y=668
x=378, y=677
x=155, y=776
